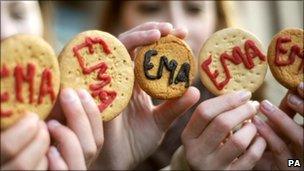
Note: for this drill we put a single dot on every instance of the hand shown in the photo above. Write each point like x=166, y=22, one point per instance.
x=284, y=136
x=25, y=144
x=210, y=125
x=138, y=130
x=84, y=126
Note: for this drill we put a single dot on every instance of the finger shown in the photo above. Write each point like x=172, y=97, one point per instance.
x=221, y=126
x=277, y=146
x=284, y=106
x=206, y=111
x=164, y=28
x=43, y=164
x=301, y=89
x=139, y=38
x=78, y=121
x=296, y=103
x=286, y=125
x=251, y=156
x=15, y=138
x=93, y=114
x=69, y=145
x=55, y=160
x=165, y=113
x=236, y=145
x=30, y=156
x=180, y=32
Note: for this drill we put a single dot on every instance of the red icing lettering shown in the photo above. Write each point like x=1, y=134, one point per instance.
x=4, y=72
x=46, y=86
x=20, y=77
x=105, y=97
x=294, y=51
x=237, y=57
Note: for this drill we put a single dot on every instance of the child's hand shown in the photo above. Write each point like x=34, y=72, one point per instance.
x=136, y=133
x=284, y=136
x=210, y=125
x=83, y=121
x=25, y=144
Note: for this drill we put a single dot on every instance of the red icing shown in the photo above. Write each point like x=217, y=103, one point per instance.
x=46, y=86
x=294, y=51
x=4, y=72
x=237, y=57
x=20, y=77
x=105, y=97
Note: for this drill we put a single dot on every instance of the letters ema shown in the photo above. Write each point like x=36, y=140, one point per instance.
x=106, y=97
x=22, y=75
x=237, y=57
x=182, y=75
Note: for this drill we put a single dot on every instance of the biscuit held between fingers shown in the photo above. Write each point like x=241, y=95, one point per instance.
x=286, y=57
x=230, y=60
x=29, y=78
x=166, y=68
x=98, y=62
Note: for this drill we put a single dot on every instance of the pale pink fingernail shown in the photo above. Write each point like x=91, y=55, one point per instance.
x=301, y=86
x=54, y=151
x=244, y=95
x=294, y=100
x=68, y=94
x=84, y=96
x=52, y=124
x=267, y=106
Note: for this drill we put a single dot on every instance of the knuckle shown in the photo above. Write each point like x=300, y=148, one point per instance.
x=238, y=144
x=280, y=150
x=202, y=109
x=232, y=102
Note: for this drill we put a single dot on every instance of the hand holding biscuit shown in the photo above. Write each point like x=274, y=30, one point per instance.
x=283, y=135
x=205, y=136
x=25, y=144
x=138, y=131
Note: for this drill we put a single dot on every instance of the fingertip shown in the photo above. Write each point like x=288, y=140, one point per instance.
x=67, y=95
x=153, y=35
x=180, y=32
x=194, y=93
x=53, y=124
x=301, y=89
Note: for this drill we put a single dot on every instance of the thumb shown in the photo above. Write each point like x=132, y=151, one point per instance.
x=165, y=113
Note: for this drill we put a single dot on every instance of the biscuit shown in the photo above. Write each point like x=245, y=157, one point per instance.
x=285, y=57
x=98, y=62
x=29, y=78
x=166, y=68
x=231, y=60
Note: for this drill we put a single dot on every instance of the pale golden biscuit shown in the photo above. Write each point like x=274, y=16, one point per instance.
x=230, y=60
x=285, y=57
x=30, y=78
x=97, y=61
x=166, y=68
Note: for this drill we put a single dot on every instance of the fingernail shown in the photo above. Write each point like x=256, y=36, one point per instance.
x=293, y=99
x=166, y=24
x=152, y=31
x=54, y=151
x=83, y=95
x=267, y=106
x=52, y=124
x=68, y=94
x=301, y=86
x=32, y=116
x=244, y=95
